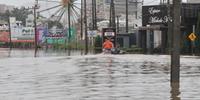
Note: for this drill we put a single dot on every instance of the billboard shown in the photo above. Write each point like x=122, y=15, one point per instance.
x=60, y=36
x=92, y=33
x=109, y=33
x=4, y=36
x=55, y=36
x=155, y=14
x=24, y=34
x=20, y=33
x=41, y=33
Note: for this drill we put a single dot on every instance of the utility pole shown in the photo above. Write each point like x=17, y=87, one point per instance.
x=35, y=25
x=112, y=14
x=142, y=2
x=126, y=16
x=95, y=14
x=110, y=20
x=175, y=55
x=94, y=19
x=86, y=35
x=9, y=28
x=81, y=19
x=169, y=31
x=117, y=24
x=136, y=12
x=69, y=26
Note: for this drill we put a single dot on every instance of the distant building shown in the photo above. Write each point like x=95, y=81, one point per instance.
x=134, y=6
x=100, y=12
x=103, y=12
x=188, y=1
x=134, y=9
x=3, y=25
x=193, y=1
x=165, y=1
x=30, y=21
x=153, y=36
x=4, y=7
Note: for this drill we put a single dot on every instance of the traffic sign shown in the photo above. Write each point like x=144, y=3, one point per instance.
x=92, y=33
x=192, y=37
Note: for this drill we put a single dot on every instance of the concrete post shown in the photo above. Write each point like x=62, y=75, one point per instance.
x=175, y=55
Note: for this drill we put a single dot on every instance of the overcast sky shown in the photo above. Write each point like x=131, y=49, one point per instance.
x=31, y=2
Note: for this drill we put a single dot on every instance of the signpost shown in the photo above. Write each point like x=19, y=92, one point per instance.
x=91, y=35
x=192, y=37
x=109, y=33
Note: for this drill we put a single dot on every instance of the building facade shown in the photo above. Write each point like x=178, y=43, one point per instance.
x=193, y=1
x=154, y=34
x=134, y=8
x=103, y=11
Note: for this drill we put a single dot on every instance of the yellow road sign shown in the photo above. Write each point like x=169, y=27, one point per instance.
x=192, y=37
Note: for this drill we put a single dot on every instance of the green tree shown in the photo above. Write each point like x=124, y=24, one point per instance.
x=98, y=44
x=5, y=16
x=21, y=14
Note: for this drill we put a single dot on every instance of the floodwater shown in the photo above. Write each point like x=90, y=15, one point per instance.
x=57, y=76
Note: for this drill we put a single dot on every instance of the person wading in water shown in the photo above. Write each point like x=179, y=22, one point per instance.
x=107, y=45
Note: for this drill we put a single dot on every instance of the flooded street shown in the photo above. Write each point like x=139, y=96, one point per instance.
x=95, y=77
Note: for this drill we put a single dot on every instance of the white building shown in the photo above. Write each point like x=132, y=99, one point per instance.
x=30, y=21
x=193, y=1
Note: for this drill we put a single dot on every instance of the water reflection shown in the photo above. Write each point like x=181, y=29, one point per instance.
x=175, y=92
x=6, y=52
x=111, y=78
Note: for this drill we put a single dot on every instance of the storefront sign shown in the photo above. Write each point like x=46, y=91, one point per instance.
x=155, y=15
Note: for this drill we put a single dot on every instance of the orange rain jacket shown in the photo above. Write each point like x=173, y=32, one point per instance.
x=107, y=44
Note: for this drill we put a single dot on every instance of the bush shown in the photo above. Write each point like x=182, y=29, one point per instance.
x=133, y=50
x=98, y=44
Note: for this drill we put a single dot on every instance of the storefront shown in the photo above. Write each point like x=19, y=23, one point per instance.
x=153, y=35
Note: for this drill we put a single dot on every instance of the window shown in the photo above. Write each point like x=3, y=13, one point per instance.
x=107, y=1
